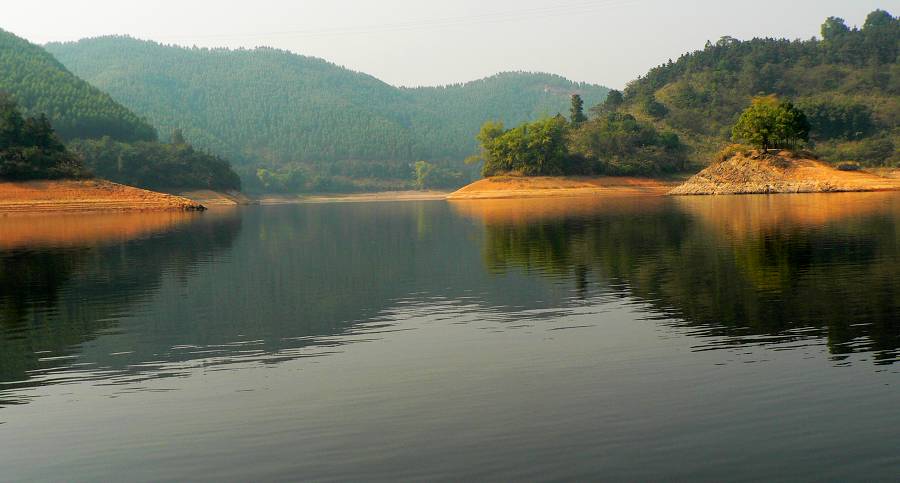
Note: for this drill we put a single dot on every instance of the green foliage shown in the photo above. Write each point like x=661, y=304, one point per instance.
x=848, y=83
x=30, y=149
x=872, y=151
x=154, y=165
x=41, y=85
x=770, y=123
x=290, y=179
x=576, y=112
x=619, y=144
x=830, y=119
x=614, y=100
x=268, y=108
x=431, y=176
x=614, y=144
x=532, y=149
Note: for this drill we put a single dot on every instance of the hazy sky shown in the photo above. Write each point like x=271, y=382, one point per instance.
x=423, y=42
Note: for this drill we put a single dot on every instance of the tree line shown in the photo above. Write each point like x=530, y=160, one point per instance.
x=610, y=143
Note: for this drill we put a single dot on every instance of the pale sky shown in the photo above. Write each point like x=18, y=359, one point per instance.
x=424, y=42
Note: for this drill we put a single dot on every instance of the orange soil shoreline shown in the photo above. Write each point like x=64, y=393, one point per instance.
x=85, y=195
x=500, y=187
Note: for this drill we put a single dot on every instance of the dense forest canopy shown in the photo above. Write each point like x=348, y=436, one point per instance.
x=155, y=165
x=847, y=82
x=295, y=116
x=41, y=85
x=103, y=137
x=30, y=149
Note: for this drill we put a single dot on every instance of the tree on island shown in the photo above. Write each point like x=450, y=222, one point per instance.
x=577, y=111
x=30, y=149
x=771, y=123
x=532, y=149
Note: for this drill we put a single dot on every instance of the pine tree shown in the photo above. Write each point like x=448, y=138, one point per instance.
x=577, y=111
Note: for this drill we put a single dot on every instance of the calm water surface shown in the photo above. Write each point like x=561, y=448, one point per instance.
x=731, y=338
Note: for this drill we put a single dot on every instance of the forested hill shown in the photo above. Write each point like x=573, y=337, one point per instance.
x=41, y=85
x=273, y=107
x=847, y=82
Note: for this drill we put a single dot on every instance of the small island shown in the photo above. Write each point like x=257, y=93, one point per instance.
x=617, y=153
x=770, y=161
x=762, y=172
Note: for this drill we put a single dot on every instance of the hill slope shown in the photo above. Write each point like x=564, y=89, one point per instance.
x=268, y=106
x=40, y=84
x=848, y=83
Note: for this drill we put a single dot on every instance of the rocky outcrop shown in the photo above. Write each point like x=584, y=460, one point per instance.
x=755, y=173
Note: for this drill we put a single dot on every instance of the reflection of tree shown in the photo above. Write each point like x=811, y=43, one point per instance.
x=836, y=280
x=52, y=299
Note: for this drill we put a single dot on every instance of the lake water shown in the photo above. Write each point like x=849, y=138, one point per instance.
x=729, y=338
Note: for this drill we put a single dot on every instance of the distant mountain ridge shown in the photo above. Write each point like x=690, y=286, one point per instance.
x=271, y=107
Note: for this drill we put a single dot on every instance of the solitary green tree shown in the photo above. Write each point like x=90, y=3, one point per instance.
x=577, y=111
x=771, y=123
x=614, y=99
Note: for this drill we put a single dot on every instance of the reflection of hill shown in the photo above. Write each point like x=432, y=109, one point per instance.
x=750, y=214
x=780, y=278
x=73, y=230
x=525, y=210
x=52, y=299
x=296, y=278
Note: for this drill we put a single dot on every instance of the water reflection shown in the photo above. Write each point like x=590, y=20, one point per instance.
x=117, y=301
x=67, y=279
x=734, y=270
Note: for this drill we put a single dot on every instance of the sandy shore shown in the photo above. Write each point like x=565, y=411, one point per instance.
x=210, y=198
x=85, y=195
x=540, y=186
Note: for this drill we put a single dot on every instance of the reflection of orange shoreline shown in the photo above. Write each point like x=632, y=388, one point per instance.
x=761, y=213
x=546, y=186
x=72, y=229
x=89, y=195
x=527, y=210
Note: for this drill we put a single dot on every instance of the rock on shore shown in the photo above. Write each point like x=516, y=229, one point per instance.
x=758, y=173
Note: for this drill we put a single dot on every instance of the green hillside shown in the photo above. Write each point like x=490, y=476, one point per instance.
x=41, y=85
x=271, y=107
x=847, y=82
x=101, y=136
